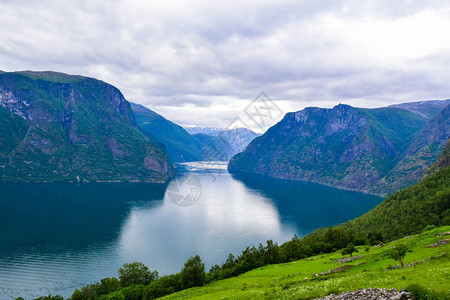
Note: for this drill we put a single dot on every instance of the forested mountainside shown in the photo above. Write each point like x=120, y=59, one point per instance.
x=59, y=127
x=185, y=146
x=372, y=150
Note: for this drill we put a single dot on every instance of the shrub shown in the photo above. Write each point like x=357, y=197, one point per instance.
x=349, y=249
x=421, y=293
x=50, y=297
x=163, y=286
x=429, y=227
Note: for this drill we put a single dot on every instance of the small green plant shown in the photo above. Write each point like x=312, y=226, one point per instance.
x=398, y=253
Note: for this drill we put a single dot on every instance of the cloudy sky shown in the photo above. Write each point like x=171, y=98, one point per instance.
x=202, y=62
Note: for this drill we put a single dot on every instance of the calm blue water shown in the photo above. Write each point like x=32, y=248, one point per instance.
x=58, y=237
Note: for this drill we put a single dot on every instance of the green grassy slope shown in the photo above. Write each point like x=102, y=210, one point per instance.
x=296, y=280
x=409, y=210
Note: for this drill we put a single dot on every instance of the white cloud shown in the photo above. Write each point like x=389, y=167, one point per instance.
x=200, y=62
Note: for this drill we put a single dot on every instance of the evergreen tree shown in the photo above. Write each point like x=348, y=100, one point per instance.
x=193, y=273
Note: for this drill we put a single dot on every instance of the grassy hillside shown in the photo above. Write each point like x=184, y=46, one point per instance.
x=296, y=280
x=409, y=210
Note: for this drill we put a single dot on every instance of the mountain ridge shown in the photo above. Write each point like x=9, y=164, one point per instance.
x=426, y=108
x=185, y=146
x=76, y=129
x=345, y=147
x=237, y=138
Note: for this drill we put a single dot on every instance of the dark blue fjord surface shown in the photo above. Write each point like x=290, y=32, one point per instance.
x=58, y=237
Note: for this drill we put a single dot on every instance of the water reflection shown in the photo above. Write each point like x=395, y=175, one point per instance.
x=309, y=205
x=221, y=222
x=66, y=214
x=57, y=237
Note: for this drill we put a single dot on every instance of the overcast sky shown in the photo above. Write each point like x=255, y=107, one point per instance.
x=201, y=62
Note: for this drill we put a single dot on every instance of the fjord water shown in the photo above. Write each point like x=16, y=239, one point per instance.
x=58, y=237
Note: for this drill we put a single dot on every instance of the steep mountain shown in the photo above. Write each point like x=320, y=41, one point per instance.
x=442, y=162
x=424, y=150
x=182, y=145
x=238, y=138
x=346, y=147
x=59, y=127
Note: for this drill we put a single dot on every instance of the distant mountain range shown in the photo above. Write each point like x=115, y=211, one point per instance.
x=238, y=138
x=58, y=127
x=372, y=150
x=192, y=143
x=425, y=109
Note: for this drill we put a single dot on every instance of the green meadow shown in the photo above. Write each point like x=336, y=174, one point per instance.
x=297, y=279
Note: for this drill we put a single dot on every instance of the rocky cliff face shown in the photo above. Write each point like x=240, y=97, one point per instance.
x=345, y=147
x=64, y=128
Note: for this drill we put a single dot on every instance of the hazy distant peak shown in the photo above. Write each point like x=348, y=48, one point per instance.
x=424, y=109
x=215, y=131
